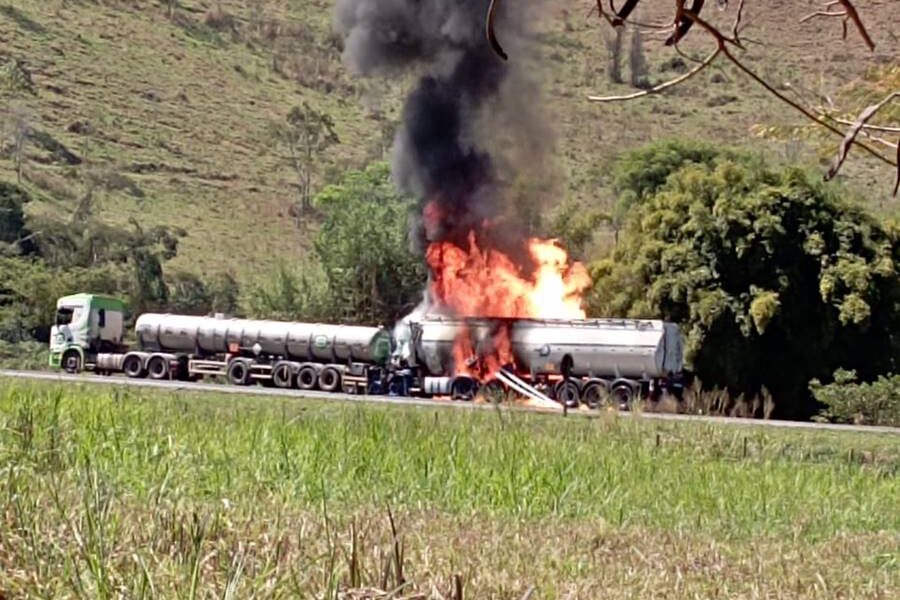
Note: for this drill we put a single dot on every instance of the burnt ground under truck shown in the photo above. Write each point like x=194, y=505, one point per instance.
x=573, y=361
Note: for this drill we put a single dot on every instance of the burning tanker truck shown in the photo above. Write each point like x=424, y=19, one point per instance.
x=501, y=308
x=573, y=361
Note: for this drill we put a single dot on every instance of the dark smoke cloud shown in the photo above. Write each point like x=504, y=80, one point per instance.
x=442, y=153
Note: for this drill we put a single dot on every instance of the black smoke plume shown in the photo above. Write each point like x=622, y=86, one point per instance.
x=443, y=152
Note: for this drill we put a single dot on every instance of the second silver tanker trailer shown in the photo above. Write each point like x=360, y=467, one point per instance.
x=574, y=361
x=571, y=360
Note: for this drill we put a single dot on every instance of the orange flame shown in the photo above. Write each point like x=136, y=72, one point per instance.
x=472, y=282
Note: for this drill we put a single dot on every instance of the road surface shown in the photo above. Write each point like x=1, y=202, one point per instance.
x=178, y=386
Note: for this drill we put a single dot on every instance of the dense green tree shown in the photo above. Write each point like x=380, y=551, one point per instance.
x=775, y=278
x=224, y=292
x=192, y=295
x=188, y=294
x=29, y=289
x=148, y=290
x=575, y=225
x=364, y=249
x=643, y=171
x=88, y=243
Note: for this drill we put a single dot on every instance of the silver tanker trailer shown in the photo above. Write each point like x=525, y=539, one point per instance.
x=305, y=355
x=575, y=360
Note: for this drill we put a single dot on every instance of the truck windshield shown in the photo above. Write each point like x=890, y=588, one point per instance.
x=66, y=314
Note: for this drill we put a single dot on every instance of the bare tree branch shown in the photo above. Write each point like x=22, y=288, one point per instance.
x=736, y=26
x=683, y=20
x=853, y=15
x=806, y=112
x=854, y=130
x=849, y=13
x=723, y=42
x=822, y=13
x=622, y=15
x=897, y=182
x=687, y=17
x=661, y=87
x=879, y=140
x=491, y=34
x=867, y=126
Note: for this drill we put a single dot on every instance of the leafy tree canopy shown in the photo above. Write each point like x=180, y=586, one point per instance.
x=644, y=171
x=364, y=249
x=774, y=277
x=29, y=290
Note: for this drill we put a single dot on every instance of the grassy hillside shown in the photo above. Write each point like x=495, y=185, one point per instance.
x=172, y=108
x=111, y=493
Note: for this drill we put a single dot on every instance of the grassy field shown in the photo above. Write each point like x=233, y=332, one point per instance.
x=180, y=105
x=138, y=494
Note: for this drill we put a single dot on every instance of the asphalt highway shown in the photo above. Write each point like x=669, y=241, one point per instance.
x=178, y=386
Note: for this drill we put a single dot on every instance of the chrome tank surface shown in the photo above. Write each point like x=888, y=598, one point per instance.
x=597, y=347
x=300, y=341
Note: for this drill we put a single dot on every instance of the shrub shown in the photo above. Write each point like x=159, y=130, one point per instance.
x=32, y=356
x=847, y=401
x=188, y=294
x=289, y=294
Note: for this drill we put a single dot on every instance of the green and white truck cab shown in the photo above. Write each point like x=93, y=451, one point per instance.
x=86, y=324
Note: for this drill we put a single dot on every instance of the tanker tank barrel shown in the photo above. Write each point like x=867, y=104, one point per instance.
x=310, y=342
x=618, y=348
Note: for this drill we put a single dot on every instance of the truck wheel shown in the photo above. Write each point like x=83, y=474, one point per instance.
x=239, y=372
x=307, y=378
x=158, y=367
x=624, y=394
x=463, y=388
x=133, y=366
x=495, y=392
x=567, y=393
x=595, y=394
x=71, y=361
x=330, y=379
x=283, y=376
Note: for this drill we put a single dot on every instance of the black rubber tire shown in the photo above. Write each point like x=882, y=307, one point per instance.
x=395, y=386
x=283, y=376
x=623, y=395
x=307, y=378
x=71, y=361
x=567, y=393
x=495, y=392
x=330, y=379
x=595, y=394
x=158, y=368
x=133, y=366
x=464, y=388
x=239, y=372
